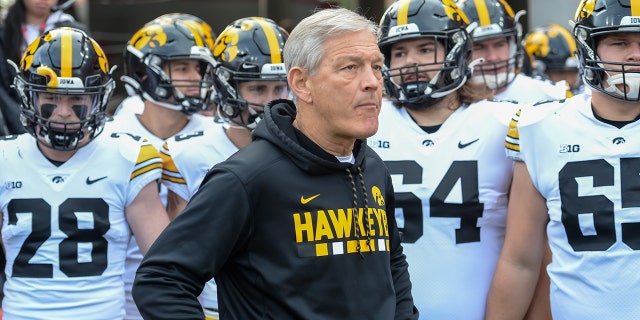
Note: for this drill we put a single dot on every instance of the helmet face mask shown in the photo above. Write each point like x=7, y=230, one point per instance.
x=436, y=24
x=499, y=73
x=496, y=22
x=156, y=46
x=595, y=22
x=63, y=69
x=249, y=49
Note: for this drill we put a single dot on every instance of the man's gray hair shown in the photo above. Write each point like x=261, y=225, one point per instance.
x=304, y=47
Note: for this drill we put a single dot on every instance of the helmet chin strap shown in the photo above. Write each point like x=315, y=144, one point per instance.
x=494, y=81
x=631, y=82
x=60, y=140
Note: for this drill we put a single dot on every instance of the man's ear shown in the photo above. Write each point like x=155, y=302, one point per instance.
x=299, y=84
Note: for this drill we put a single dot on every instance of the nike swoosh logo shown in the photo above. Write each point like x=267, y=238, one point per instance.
x=89, y=181
x=304, y=200
x=464, y=145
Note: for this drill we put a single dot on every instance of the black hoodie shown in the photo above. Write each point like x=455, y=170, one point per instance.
x=274, y=225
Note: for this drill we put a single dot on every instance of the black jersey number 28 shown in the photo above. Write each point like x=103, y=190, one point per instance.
x=70, y=265
x=468, y=211
x=599, y=206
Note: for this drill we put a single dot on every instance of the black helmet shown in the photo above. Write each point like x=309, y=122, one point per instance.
x=441, y=20
x=595, y=18
x=551, y=47
x=248, y=49
x=202, y=26
x=63, y=62
x=161, y=42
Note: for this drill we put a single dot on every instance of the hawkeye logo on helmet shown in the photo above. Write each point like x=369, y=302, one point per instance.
x=453, y=12
x=102, y=58
x=226, y=45
x=27, y=56
x=585, y=9
x=152, y=36
x=537, y=44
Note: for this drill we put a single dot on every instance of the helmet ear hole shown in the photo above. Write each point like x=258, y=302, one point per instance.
x=588, y=74
x=230, y=111
x=161, y=92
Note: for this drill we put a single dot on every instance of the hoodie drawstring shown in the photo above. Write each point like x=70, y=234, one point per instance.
x=356, y=214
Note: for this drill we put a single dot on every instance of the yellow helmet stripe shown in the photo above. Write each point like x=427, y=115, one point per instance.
x=483, y=13
x=403, y=12
x=66, y=56
x=507, y=7
x=635, y=8
x=272, y=40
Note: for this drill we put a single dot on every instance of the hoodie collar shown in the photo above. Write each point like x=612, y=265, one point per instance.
x=277, y=128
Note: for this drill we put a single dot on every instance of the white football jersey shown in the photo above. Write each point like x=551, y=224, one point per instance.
x=186, y=160
x=131, y=104
x=529, y=90
x=451, y=199
x=188, y=157
x=588, y=172
x=129, y=123
x=64, y=228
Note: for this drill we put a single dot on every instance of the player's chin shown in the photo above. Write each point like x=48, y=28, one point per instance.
x=366, y=128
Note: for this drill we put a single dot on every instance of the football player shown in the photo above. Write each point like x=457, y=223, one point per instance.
x=72, y=197
x=245, y=84
x=134, y=103
x=168, y=64
x=446, y=155
x=496, y=39
x=551, y=48
x=576, y=182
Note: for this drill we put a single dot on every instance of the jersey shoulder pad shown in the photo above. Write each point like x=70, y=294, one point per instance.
x=128, y=144
x=533, y=113
x=500, y=111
